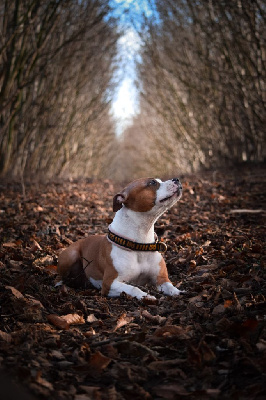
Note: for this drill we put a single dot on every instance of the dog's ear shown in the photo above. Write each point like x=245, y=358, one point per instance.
x=118, y=201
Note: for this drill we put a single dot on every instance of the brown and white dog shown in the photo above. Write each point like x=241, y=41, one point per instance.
x=129, y=253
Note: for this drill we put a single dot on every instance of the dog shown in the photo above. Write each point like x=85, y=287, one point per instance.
x=130, y=254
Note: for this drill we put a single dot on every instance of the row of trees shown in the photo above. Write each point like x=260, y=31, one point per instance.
x=203, y=80
x=201, y=76
x=56, y=66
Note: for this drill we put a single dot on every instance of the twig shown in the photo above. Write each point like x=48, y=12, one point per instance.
x=246, y=211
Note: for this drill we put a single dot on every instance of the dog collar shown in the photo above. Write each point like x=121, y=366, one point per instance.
x=129, y=244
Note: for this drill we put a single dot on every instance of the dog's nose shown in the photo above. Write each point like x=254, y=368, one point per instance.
x=177, y=182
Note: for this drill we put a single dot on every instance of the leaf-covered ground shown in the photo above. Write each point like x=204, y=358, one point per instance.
x=208, y=343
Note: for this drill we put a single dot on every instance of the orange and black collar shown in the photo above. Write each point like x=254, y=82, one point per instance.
x=128, y=244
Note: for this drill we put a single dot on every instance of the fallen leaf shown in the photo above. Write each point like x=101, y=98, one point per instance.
x=58, y=355
x=228, y=303
x=43, y=382
x=196, y=299
x=129, y=348
x=122, y=321
x=57, y=321
x=15, y=265
x=207, y=353
x=73, y=319
x=164, y=365
x=83, y=397
x=15, y=292
x=261, y=345
x=244, y=328
x=43, y=261
x=220, y=309
x=35, y=246
x=170, y=391
x=91, y=318
x=92, y=391
x=6, y=337
x=157, y=319
x=194, y=356
x=51, y=268
x=98, y=362
x=10, y=245
x=173, y=330
x=64, y=364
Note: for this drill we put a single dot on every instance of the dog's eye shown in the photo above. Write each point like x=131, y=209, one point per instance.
x=152, y=182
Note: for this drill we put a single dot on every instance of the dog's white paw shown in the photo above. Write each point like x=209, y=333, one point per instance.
x=119, y=287
x=168, y=289
x=149, y=297
x=174, y=291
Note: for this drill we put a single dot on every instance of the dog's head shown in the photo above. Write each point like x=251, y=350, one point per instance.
x=149, y=195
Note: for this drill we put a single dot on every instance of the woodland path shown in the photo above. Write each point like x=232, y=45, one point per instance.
x=67, y=344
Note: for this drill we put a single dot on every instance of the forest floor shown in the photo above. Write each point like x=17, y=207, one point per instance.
x=66, y=344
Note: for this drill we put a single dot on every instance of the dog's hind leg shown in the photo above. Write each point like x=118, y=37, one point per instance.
x=76, y=277
x=70, y=267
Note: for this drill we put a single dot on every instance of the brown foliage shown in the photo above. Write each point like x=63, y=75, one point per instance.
x=75, y=344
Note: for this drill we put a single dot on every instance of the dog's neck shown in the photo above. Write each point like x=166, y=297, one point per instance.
x=135, y=226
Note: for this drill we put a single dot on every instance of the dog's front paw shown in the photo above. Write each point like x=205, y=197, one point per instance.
x=119, y=287
x=168, y=289
x=174, y=291
x=149, y=297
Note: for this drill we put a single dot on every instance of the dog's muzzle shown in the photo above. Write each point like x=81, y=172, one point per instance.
x=177, y=182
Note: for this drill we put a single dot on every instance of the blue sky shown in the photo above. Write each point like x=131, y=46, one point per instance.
x=125, y=103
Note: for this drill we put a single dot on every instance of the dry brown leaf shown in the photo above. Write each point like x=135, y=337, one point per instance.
x=38, y=209
x=228, y=303
x=194, y=356
x=220, y=309
x=99, y=362
x=92, y=391
x=122, y=321
x=171, y=391
x=196, y=299
x=43, y=261
x=6, y=337
x=43, y=382
x=15, y=292
x=57, y=355
x=261, y=345
x=83, y=397
x=127, y=347
x=15, y=265
x=157, y=319
x=10, y=245
x=207, y=353
x=173, y=330
x=33, y=302
x=167, y=364
x=73, y=319
x=57, y=321
x=35, y=246
x=91, y=318
x=51, y=268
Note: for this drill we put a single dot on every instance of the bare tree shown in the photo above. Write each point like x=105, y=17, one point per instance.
x=203, y=71
x=55, y=74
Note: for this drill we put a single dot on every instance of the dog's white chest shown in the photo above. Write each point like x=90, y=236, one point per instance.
x=135, y=267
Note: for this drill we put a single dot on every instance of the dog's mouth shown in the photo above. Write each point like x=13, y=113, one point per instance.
x=176, y=193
